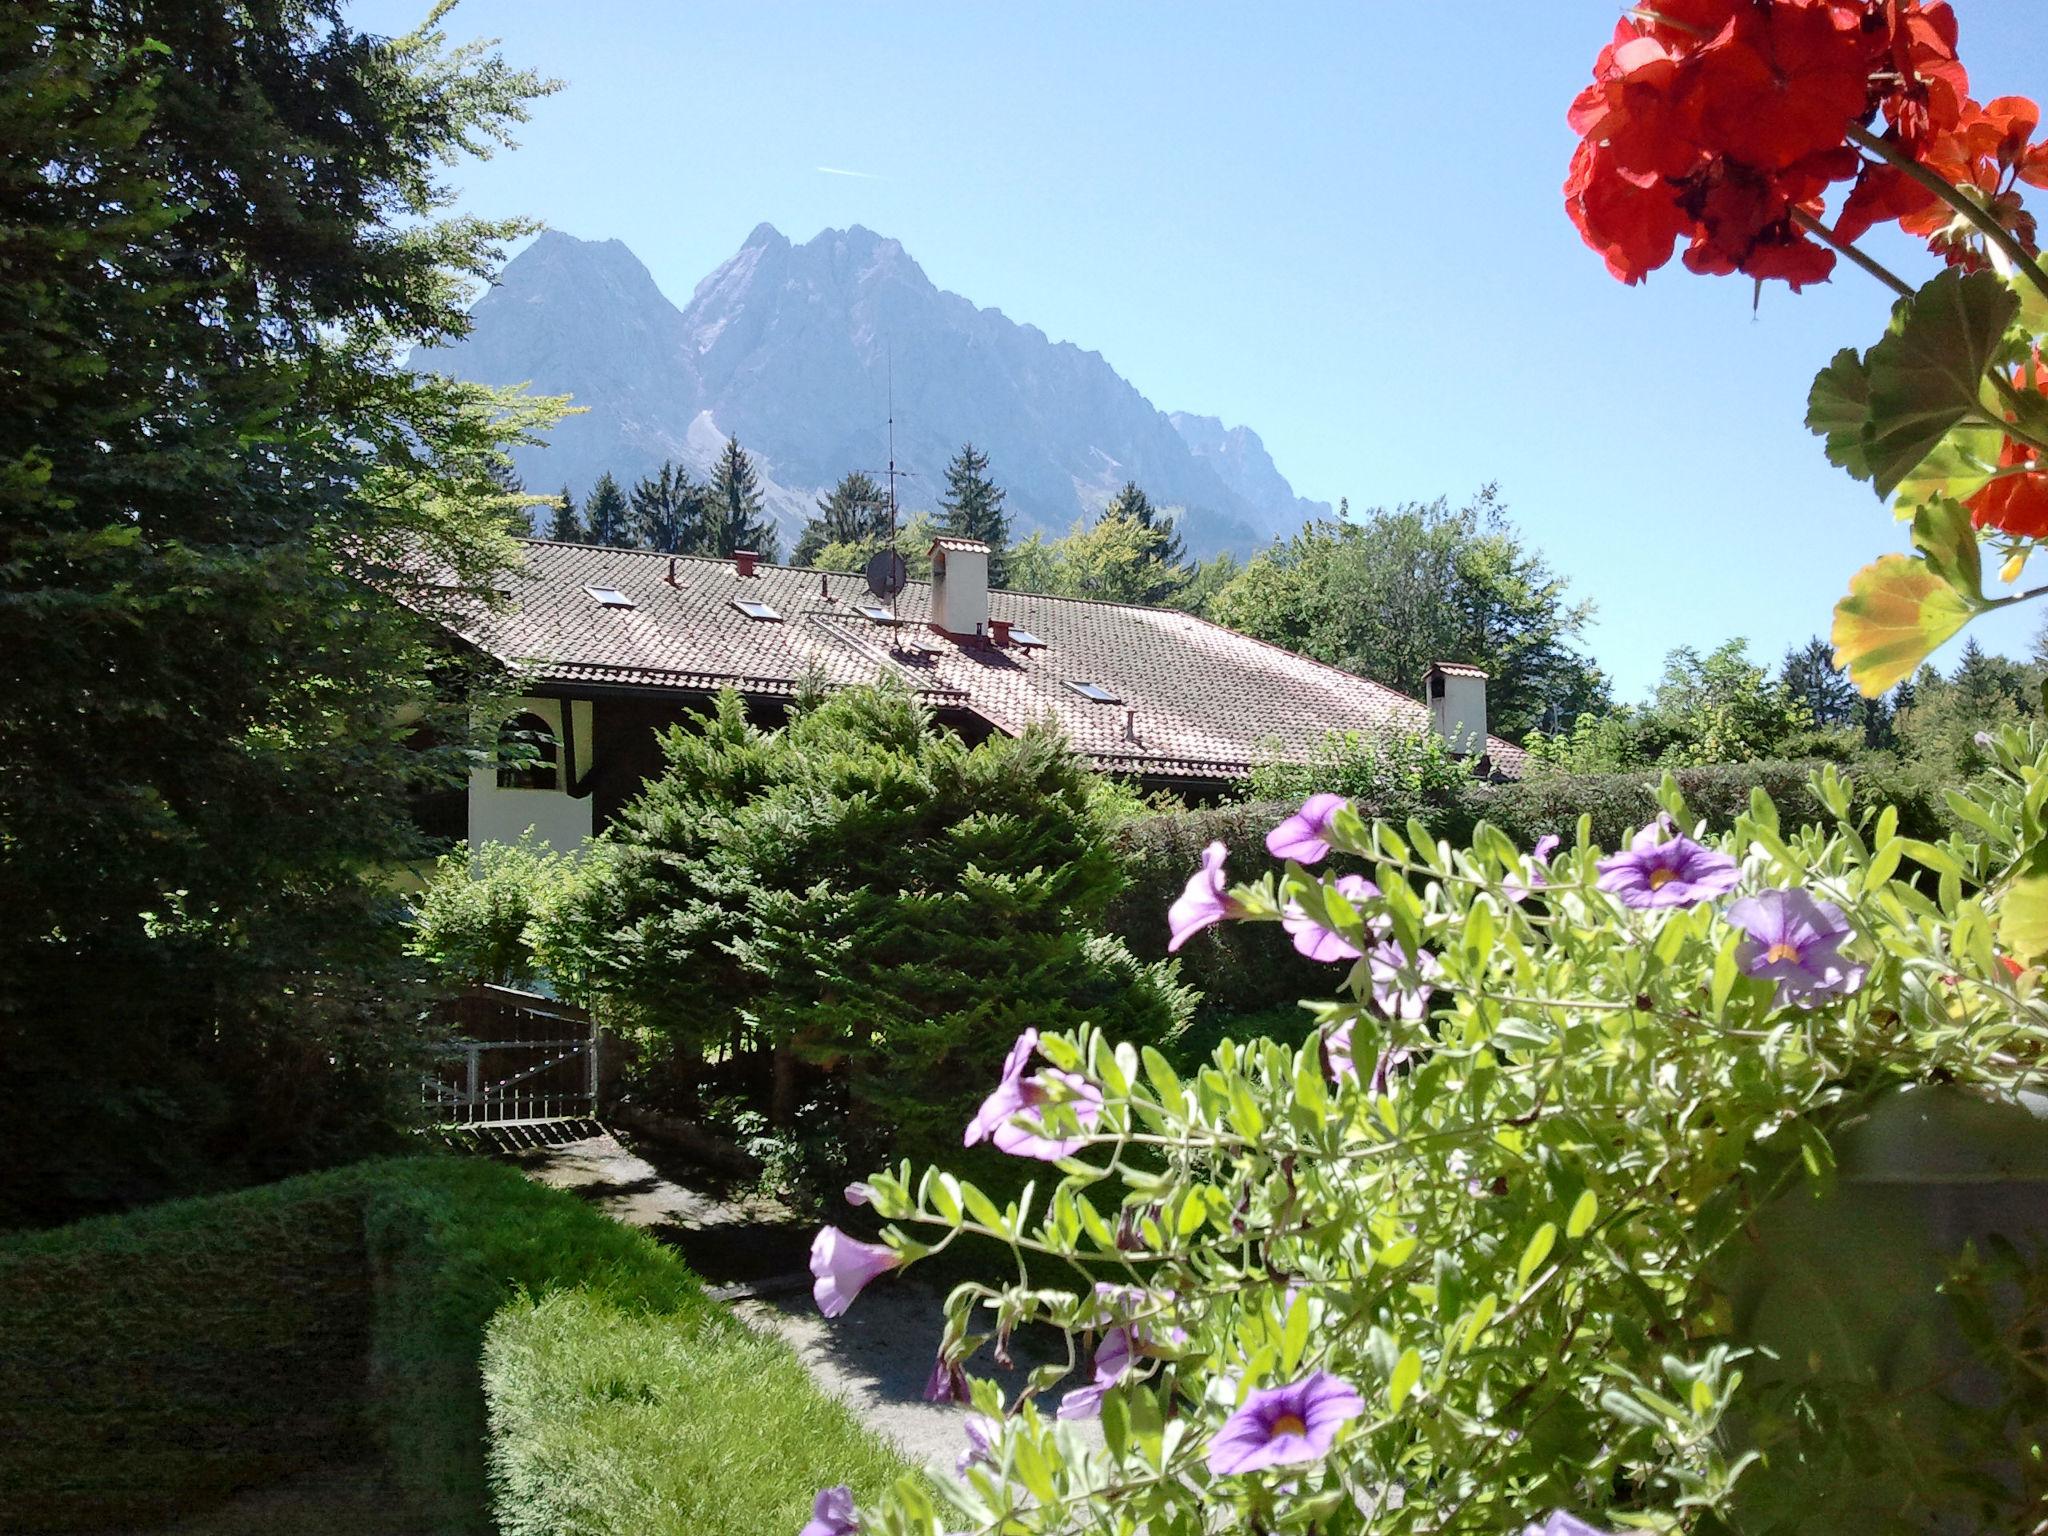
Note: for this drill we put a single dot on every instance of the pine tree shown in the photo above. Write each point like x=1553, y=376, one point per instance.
x=564, y=525
x=668, y=509
x=734, y=518
x=606, y=513
x=854, y=512
x=973, y=506
x=1809, y=673
x=1167, y=546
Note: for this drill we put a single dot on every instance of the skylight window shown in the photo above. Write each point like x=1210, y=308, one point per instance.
x=610, y=597
x=757, y=610
x=874, y=611
x=1024, y=637
x=1095, y=693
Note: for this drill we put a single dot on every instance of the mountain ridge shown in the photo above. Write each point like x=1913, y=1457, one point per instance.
x=792, y=348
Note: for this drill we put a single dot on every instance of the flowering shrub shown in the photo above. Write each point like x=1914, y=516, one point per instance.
x=1452, y=1265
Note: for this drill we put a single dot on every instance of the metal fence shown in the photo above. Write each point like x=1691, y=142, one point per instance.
x=517, y=1059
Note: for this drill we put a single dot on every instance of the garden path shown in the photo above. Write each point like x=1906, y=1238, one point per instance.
x=876, y=1358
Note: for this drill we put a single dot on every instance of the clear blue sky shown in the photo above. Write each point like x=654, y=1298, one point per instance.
x=1339, y=224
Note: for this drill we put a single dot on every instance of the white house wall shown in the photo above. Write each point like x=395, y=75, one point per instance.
x=563, y=823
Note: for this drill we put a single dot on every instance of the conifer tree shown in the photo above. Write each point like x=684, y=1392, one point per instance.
x=564, y=525
x=607, y=514
x=734, y=518
x=1164, y=538
x=973, y=506
x=668, y=510
x=855, y=513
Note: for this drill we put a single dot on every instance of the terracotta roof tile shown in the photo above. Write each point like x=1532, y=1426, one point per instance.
x=1209, y=702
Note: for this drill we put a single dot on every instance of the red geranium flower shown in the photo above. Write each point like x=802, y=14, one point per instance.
x=1779, y=84
x=2017, y=504
x=1632, y=221
x=1987, y=151
x=1633, y=108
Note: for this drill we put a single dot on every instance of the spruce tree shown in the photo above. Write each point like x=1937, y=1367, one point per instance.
x=734, y=518
x=973, y=506
x=564, y=525
x=607, y=514
x=1164, y=538
x=855, y=512
x=668, y=509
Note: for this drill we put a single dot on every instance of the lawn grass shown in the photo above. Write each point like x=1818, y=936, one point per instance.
x=152, y=1364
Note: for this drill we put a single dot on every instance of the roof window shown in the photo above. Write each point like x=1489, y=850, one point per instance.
x=876, y=612
x=609, y=597
x=758, y=611
x=1095, y=693
x=1024, y=637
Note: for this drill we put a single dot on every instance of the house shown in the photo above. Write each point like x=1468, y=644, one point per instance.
x=615, y=645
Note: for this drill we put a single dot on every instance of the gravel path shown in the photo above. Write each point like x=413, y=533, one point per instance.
x=876, y=1358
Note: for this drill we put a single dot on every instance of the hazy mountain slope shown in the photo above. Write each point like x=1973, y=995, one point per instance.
x=791, y=348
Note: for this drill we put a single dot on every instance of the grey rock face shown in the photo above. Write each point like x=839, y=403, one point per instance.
x=791, y=347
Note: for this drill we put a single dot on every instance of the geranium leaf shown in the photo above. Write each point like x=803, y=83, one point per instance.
x=1897, y=613
x=1838, y=409
x=1947, y=540
x=2023, y=909
x=1958, y=466
x=1926, y=377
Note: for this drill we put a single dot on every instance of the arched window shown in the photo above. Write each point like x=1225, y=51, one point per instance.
x=527, y=754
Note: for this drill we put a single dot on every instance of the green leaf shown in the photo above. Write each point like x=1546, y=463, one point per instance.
x=1838, y=408
x=1897, y=613
x=1583, y=1211
x=1926, y=377
x=2023, y=909
x=1407, y=1372
x=1960, y=465
x=1947, y=540
x=1537, y=1251
x=1294, y=1334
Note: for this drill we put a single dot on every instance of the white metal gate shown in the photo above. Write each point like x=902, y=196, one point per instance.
x=517, y=1059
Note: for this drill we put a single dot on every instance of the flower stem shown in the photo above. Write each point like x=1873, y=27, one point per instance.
x=1868, y=263
x=1993, y=231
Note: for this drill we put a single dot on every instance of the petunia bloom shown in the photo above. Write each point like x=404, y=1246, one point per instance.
x=1795, y=940
x=1400, y=985
x=832, y=1514
x=947, y=1382
x=1113, y=1357
x=981, y=1442
x=1284, y=1426
x=1312, y=939
x=859, y=1193
x=1675, y=873
x=1008, y=1115
x=1305, y=836
x=1546, y=845
x=843, y=1266
x=1204, y=903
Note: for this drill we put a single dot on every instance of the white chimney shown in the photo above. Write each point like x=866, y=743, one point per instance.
x=1457, y=705
x=959, y=586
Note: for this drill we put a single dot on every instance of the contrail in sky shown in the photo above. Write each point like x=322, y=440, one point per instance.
x=833, y=170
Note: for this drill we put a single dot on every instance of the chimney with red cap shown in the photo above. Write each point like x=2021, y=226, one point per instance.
x=743, y=561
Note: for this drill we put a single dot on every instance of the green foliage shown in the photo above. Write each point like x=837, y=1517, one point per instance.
x=563, y=524
x=854, y=513
x=1418, y=771
x=865, y=892
x=1387, y=595
x=1161, y=525
x=1718, y=708
x=973, y=509
x=607, y=515
x=668, y=511
x=1810, y=676
x=733, y=517
x=230, y=523
x=1114, y=560
x=470, y=922
x=153, y=1363
x=1526, y=1226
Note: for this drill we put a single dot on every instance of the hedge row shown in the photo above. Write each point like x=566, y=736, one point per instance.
x=1253, y=968
x=152, y=1364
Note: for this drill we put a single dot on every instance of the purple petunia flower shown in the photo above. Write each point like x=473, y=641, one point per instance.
x=1113, y=1357
x=1337, y=1052
x=832, y=1514
x=947, y=1382
x=1678, y=873
x=859, y=1194
x=1795, y=940
x=1305, y=836
x=1546, y=845
x=843, y=1266
x=981, y=1443
x=1400, y=987
x=1562, y=1524
x=1281, y=1426
x=1318, y=942
x=1204, y=903
x=1007, y=1115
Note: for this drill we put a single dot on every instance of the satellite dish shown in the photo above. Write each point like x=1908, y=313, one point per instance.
x=886, y=574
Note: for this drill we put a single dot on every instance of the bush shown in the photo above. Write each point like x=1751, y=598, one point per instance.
x=471, y=923
x=153, y=1363
x=863, y=893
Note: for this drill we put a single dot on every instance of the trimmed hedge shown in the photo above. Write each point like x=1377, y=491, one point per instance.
x=151, y=1364
x=1250, y=968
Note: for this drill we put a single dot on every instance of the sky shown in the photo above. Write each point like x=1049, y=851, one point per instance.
x=1338, y=224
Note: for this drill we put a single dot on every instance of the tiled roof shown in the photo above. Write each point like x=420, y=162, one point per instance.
x=1457, y=669
x=1210, y=702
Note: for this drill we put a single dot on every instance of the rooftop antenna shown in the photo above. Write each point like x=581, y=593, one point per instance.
x=886, y=570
